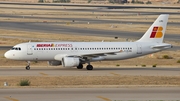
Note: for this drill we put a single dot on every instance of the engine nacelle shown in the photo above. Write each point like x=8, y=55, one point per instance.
x=54, y=63
x=70, y=61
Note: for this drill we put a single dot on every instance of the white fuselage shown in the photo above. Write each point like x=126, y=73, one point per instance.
x=46, y=51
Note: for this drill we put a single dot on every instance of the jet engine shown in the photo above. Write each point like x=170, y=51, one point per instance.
x=54, y=63
x=70, y=61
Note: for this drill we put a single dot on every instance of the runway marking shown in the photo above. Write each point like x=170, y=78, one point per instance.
x=115, y=74
x=105, y=99
x=44, y=74
x=10, y=98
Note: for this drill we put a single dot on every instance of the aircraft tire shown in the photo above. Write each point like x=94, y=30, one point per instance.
x=89, y=67
x=80, y=66
x=27, y=67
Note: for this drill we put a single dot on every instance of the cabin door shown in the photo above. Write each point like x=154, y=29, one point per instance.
x=139, y=49
x=29, y=50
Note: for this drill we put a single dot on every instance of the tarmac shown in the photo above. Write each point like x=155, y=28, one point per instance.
x=97, y=71
x=91, y=94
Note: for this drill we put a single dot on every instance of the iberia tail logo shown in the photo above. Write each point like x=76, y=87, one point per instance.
x=157, y=32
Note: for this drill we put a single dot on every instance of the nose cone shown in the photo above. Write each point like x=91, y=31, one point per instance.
x=7, y=55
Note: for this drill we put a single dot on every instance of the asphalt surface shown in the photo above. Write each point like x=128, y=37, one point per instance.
x=91, y=94
x=111, y=71
x=99, y=10
x=85, y=20
x=90, y=5
x=51, y=28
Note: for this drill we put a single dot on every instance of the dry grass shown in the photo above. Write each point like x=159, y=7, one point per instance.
x=46, y=81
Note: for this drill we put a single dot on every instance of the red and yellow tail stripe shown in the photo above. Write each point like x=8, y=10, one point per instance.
x=157, y=32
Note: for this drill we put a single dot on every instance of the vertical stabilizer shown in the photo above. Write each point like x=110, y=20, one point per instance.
x=157, y=30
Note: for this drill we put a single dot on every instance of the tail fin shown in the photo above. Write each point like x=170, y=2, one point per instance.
x=157, y=30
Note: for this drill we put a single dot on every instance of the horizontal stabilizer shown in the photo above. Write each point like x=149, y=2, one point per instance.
x=162, y=46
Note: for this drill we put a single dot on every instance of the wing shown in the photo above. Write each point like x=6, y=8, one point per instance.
x=99, y=54
x=84, y=57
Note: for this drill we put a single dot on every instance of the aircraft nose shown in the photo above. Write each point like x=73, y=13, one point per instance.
x=7, y=55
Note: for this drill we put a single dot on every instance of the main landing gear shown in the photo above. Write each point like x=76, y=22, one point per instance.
x=88, y=67
x=80, y=66
x=28, y=65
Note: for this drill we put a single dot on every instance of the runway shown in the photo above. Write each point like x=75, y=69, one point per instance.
x=90, y=5
x=85, y=20
x=98, y=9
x=111, y=71
x=50, y=28
x=90, y=94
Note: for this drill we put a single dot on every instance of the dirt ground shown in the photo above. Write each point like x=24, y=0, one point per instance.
x=60, y=81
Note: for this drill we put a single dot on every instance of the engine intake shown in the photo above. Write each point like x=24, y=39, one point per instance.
x=70, y=62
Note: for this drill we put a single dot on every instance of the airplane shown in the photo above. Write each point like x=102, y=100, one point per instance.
x=75, y=54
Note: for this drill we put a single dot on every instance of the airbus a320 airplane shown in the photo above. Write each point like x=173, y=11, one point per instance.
x=75, y=54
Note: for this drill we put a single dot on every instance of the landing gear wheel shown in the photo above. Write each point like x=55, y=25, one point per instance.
x=89, y=67
x=80, y=66
x=27, y=67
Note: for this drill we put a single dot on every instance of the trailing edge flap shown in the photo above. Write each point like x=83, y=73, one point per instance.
x=100, y=54
x=161, y=46
x=95, y=54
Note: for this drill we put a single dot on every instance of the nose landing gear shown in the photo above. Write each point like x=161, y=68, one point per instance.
x=28, y=65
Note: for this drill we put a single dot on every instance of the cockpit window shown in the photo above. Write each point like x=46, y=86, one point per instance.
x=16, y=48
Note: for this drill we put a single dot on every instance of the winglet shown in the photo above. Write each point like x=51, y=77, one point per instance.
x=157, y=30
